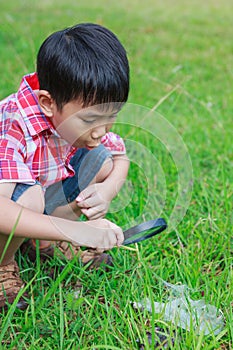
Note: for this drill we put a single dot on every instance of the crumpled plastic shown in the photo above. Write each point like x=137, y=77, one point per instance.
x=186, y=313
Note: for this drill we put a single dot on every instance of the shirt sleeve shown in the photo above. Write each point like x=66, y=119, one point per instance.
x=113, y=143
x=12, y=165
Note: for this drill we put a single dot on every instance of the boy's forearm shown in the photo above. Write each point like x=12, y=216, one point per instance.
x=101, y=234
x=27, y=223
x=118, y=175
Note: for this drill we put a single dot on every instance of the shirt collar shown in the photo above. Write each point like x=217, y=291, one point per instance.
x=34, y=118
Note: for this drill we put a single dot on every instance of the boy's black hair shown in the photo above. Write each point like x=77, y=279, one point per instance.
x=85, y=62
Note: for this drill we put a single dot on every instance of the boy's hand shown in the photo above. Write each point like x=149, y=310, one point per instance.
x=94, y=201
x=100, y=234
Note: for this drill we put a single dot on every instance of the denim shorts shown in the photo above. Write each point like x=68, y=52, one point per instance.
x=86, y=165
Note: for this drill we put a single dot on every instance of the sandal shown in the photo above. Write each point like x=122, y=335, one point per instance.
x=10, y=285
x=96, y=260
x=29, y=247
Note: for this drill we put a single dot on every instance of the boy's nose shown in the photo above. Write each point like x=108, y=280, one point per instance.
x=99, y=132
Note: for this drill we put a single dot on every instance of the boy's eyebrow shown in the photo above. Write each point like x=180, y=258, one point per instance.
x=90, y=114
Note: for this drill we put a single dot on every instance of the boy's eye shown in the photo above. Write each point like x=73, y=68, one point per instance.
x=89, y=121
x=93, y=120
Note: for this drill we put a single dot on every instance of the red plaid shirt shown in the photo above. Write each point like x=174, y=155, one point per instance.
x=30, y=148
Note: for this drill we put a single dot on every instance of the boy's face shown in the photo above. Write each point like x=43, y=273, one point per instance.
x=83, y=127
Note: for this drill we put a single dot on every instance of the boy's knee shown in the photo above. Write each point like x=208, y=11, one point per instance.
x=105, y=170
x=33, y=199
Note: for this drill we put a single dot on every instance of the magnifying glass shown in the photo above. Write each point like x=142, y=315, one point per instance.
x=144, y=231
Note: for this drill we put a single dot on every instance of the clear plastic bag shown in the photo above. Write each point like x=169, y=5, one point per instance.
x=184, y=312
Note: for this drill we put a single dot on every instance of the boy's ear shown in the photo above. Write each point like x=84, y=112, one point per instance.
x=46, y=103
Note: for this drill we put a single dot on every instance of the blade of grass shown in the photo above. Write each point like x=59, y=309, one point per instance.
x=61, y=318
x=10, y=238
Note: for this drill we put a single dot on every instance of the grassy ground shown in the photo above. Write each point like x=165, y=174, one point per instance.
x=181, y=66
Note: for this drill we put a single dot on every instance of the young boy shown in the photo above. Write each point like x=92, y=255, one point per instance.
x=58, y=158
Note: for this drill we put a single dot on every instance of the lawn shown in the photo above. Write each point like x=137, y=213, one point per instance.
x=178, y=130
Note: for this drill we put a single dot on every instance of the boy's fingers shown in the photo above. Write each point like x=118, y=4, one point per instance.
x=86, y=213
x=120, y=238
x=90, y=211
x=83, y=205
x=87, y=203
x=85, y=194
x=96, y=216
x=81, y=197
x=119, y=235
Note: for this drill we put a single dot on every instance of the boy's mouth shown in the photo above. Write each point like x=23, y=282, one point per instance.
x=91, y=147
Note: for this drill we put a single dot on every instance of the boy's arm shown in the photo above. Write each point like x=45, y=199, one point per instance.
x=117, y=177
x=94, y=201
x=39, y=226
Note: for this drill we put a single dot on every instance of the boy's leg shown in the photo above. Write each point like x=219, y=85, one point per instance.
x=31, y=197
x=90, y=167
x=71, y=211
x=10, y=282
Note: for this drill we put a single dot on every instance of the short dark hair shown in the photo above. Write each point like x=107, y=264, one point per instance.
x=86, y=62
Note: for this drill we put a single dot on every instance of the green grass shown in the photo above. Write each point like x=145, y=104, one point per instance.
x=181, y=65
